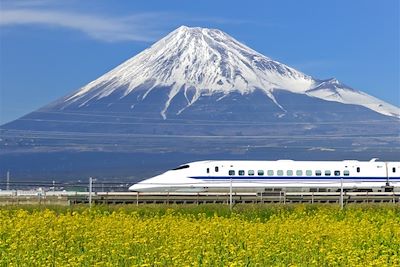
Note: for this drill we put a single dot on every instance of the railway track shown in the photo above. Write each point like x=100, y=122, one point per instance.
x=282, y=197
x=224, y=198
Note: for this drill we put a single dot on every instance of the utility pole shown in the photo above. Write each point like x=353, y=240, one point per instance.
x=90, y=191
x=230, y=196
x=341, y=193
x=8, y=181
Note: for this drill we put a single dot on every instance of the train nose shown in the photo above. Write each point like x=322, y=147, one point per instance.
x=138, y=187
x=133, y=187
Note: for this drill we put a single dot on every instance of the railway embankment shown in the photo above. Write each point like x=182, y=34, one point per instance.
x=66, y=198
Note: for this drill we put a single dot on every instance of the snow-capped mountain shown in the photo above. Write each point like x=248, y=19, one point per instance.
x=194, y=95
x=202, y=82
x=196, y=62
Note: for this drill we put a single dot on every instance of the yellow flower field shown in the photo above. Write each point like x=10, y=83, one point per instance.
x=253, y=235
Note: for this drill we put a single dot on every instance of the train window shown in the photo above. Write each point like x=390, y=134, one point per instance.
x=393, y=169
x=318, y=173
x=308, y=172
x=358, y=169
x=216, y=169
x=279, y=173
x=289, y=172
x=250, y=172
x=260, y=172
x=208, y=170
x=241, y=172
x=299, y=173
x=346, y=173
x=337, y=173
x=181, y=167
x=270, y=172
x=231, y=172
x=327, y=173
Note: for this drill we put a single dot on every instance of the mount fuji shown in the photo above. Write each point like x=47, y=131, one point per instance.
x=194, y=63
x=200, y=91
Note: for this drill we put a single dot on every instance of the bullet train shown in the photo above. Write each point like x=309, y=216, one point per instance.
x=215, y=175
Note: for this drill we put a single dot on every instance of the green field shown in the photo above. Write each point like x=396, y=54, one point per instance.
x=204, y=235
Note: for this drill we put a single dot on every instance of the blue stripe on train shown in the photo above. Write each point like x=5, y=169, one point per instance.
x=322, y=178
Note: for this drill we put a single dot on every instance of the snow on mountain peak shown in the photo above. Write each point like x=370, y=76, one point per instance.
x=207, y=61
x=333, y=90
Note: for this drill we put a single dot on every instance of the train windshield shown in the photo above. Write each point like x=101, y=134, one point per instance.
x=181, y=167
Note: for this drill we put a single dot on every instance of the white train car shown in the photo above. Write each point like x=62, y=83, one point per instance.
x=207, y=176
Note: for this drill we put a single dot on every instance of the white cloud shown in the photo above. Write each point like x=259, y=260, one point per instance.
x=111, y=29
x=142, y=27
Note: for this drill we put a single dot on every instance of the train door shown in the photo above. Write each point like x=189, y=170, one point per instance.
x=392, y=170
x=392, y=175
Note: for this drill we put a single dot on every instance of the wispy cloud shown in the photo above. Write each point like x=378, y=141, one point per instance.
x=108, y=29
x=142, y=27
x=28, y=3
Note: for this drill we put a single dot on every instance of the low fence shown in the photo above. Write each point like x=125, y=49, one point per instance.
x=20, y=197
x=225, y=198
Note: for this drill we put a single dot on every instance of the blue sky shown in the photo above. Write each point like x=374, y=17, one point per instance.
x=51, y=48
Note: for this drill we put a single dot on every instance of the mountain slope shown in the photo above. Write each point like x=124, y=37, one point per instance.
x=333, y=90
x=194, y=95
x=202, y=91
x=195, y=62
